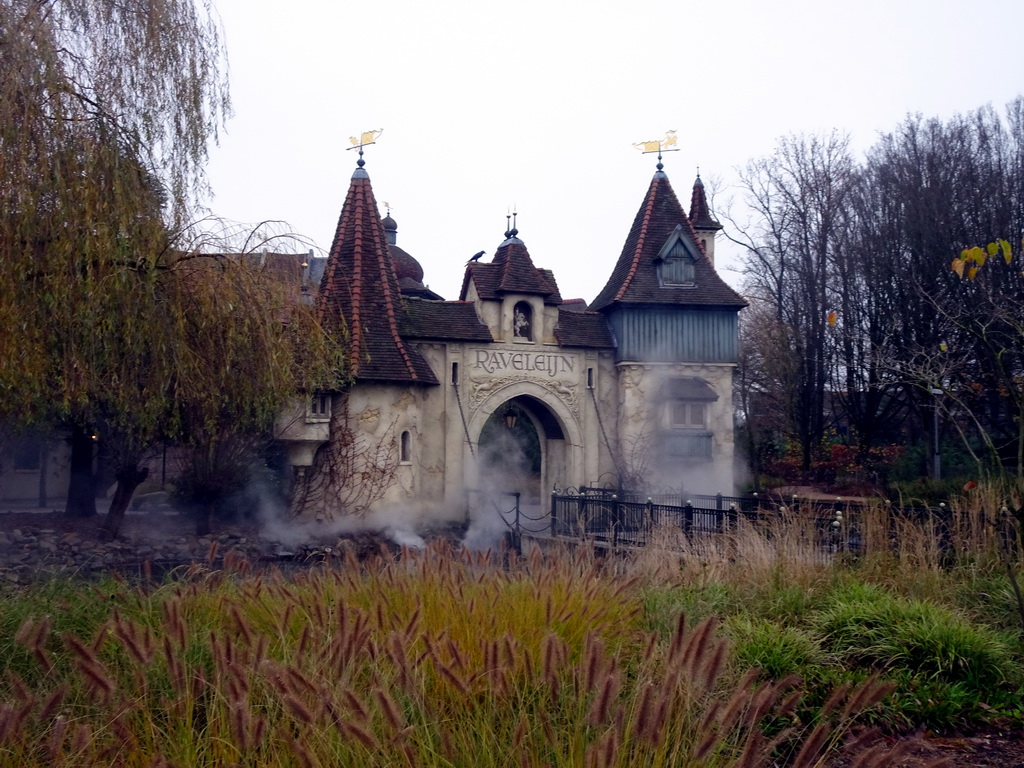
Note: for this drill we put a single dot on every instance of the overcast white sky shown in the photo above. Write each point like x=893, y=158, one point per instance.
x=536, y=103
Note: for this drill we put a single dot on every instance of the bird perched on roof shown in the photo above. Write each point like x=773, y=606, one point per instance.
x=475, y=257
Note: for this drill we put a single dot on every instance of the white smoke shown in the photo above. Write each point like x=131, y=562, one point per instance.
x=503, y=469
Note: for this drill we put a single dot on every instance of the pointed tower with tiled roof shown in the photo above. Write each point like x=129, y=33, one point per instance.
x=360, y=289
x=664, y=299
x=704, y=224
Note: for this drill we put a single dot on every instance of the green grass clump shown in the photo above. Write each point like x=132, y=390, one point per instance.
x=869, y=626
x=776, y=649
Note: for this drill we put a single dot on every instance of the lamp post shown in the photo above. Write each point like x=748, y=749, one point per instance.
x=936, y=454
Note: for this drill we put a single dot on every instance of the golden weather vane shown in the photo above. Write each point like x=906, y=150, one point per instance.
x=365, y=139
x=658, y=145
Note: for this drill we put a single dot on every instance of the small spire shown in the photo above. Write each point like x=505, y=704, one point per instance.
x=510, y=223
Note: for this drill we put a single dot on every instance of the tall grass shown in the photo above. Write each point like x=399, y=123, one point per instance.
x=431, y=659
x=926, y=602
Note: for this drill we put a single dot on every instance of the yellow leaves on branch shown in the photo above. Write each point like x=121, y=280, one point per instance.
x=973, y=259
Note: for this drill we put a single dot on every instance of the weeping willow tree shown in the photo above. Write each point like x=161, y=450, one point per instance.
x=113, y=319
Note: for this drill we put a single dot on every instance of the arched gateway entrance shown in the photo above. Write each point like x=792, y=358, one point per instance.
x=523, y=448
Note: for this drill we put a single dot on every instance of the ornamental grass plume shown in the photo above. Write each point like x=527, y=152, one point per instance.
x=430, y=659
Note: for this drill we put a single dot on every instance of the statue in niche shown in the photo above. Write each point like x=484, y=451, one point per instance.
x=521, y=321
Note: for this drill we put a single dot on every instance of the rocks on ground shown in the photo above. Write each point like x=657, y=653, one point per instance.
x=35, y=544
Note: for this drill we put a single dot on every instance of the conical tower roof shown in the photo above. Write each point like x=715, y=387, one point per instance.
x=636, y=279
x=700, y=212
x=511, y=271
x=360, y=289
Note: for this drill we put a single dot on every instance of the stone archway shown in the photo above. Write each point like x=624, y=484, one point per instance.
x=511, y=451
x=526, y=445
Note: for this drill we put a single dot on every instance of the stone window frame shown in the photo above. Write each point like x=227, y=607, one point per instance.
x=405, y=447
x=319, y=407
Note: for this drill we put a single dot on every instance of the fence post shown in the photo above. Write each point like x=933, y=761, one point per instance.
x=718, y=501
x=614, y=520
x=649, y=521
x=687, y=517
x=838, y=544
x=554, y=511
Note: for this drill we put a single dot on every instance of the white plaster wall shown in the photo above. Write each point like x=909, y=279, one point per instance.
x=641, y=416
x=303, y=435
x=379, y=414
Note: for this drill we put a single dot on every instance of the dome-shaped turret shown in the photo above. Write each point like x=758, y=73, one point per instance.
x=405, y=265
x=407, y=269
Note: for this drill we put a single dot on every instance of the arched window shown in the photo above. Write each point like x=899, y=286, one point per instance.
x=522, y=321
x=404, y=448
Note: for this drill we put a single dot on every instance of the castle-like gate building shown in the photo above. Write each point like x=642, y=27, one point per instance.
x=511, y=388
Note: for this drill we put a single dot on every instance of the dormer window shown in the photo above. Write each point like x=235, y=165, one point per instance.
x=676, y=259
x=677, y=266
x=522, y=321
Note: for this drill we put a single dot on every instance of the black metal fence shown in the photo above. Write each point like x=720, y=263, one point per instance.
x=631, y=519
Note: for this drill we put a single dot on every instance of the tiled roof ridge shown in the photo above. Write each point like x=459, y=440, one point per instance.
x=648, y=210
x=356, y=334
x=389, y=280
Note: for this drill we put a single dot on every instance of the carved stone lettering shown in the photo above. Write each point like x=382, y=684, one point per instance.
x=540, y=364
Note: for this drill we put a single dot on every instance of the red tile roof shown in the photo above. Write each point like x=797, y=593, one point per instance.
x=700, y=213
x=634, y=280
x=360, y=288
x=511, y=271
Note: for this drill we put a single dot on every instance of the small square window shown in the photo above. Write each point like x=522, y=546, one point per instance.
x=320, y=407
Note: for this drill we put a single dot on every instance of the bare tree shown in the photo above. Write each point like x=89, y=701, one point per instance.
x=799, y=197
